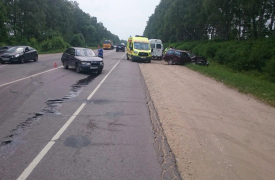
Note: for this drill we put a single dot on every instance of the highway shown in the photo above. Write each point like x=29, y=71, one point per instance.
x=59, y=124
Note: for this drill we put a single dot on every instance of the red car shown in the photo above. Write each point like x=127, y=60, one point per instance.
x=174, y=56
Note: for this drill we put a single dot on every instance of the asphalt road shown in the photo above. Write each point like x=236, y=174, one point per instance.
x=58, y=124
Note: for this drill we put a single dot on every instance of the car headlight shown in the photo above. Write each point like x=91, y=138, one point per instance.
x=135, y=52
x=101, y=63
x=85, y=63
x=17, y=55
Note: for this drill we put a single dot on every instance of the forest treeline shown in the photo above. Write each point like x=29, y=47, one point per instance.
x=239, y=34
x=184, y=20
x=49, y=24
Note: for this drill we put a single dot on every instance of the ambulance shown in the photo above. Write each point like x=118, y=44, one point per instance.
x=156, y=48
x=138, y=49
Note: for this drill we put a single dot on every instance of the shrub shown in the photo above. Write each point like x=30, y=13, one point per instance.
x=78, y=40
x=53, y=44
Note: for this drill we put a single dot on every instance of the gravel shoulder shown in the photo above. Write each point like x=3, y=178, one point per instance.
x=214, y=131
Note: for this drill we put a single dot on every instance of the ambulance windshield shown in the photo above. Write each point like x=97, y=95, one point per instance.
x=142, y=46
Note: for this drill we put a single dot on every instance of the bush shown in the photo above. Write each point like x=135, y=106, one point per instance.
x=53, y=44
x=248, y=55
x=78, y=40
x=270, y=69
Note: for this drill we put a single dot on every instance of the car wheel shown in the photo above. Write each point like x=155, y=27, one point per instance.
x=22, y=60
x=65, y=65
x=2, y=62
x=77, y=68
x=170, y=62
x=149, y=61
x=36, y=58
x=116, y=50
x=132, y=59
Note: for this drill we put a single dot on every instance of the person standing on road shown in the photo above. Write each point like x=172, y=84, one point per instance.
x=100, y=52
x=165, y=51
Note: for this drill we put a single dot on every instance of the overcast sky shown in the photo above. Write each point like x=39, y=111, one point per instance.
x=121, y=17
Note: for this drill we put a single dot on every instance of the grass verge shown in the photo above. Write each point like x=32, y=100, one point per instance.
x=262, y=89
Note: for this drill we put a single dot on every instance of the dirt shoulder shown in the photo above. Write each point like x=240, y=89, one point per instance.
x=214, y=131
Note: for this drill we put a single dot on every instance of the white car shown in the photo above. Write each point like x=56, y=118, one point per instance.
x=156, y=48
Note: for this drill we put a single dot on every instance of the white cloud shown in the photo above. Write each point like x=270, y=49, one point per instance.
x=121, y=17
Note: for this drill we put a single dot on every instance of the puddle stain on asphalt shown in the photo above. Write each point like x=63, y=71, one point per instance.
x=77, y=141
x=52, y=107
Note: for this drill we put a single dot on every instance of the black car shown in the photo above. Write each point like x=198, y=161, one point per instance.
x=82, y=59
x=19, y=54
x=120, y=48
x=3, y=49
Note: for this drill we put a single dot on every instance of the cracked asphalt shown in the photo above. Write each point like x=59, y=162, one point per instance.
x=116, y=135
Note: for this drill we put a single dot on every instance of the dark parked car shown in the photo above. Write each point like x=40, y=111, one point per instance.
x=19, y=54
x=3, y=49
x=174, y=56
x=82, y=59
x=120, y=48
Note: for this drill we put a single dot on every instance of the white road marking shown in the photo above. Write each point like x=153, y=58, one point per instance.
x=45, y=150
x=29, y=76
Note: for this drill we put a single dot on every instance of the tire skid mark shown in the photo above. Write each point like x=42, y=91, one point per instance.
x=52, y=107
x=165, y=155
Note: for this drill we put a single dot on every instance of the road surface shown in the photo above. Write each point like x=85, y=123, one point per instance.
x=58, y=124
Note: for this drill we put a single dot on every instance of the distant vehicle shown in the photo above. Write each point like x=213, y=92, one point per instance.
x=108, y=44
x=4, y=49
x=120, y=48
x=156, y=48
x=82, y=59
x=123, y=44
x=19, y=54
x=138, y=49
x=174, y=56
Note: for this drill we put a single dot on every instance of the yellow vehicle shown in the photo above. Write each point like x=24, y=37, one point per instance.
x=138, y=49
x=108, y=44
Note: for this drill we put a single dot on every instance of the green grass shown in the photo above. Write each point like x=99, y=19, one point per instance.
x=262, y=89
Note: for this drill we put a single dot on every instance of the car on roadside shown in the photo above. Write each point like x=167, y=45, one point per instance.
x=82, y=59
x=120, y=48
x=174, y=56
x=3, y=49
x=19, y=54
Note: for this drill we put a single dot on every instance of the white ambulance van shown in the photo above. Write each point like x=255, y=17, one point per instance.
x=156, y=48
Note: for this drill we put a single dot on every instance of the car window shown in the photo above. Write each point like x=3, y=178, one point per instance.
x=16, y=49
x=170, y=52
x=152, y=46
x=158, y=46
x=84, y=52
x=30, y=48
x=177, y=53
x=184, y=54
